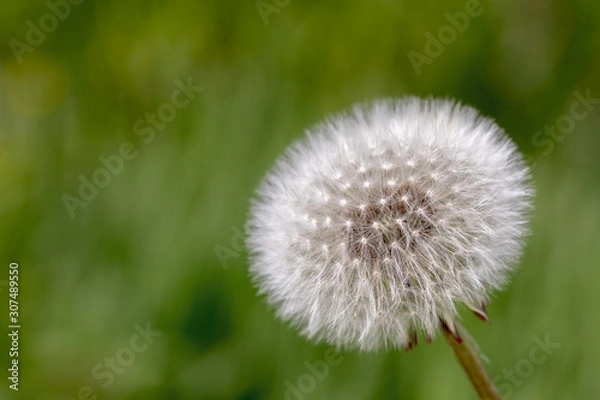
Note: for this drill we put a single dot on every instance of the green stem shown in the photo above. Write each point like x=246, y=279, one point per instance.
x=472, y=366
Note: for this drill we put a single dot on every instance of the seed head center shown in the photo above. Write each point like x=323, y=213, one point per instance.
x=381, y=228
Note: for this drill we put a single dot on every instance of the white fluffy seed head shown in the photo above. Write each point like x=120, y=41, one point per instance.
x=374, y=226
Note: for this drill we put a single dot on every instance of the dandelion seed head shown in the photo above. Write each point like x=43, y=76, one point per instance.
x=429, y=206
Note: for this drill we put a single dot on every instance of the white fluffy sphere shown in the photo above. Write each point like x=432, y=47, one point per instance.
x=371, y=229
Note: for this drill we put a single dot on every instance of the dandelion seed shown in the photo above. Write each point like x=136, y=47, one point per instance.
x=450, y=205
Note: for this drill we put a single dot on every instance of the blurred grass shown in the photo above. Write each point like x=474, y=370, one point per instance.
x=144, y=248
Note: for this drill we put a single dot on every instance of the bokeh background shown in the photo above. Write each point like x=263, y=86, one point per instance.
x=162, y=243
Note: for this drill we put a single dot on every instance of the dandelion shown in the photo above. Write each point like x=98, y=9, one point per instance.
x=368, y=232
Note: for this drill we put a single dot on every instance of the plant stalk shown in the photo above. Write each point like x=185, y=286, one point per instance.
x=471, y=365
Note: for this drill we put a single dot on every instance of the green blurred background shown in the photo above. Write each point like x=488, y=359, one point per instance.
x=161, y=243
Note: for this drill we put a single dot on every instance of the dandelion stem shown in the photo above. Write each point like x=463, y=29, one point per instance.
x=471, y=364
